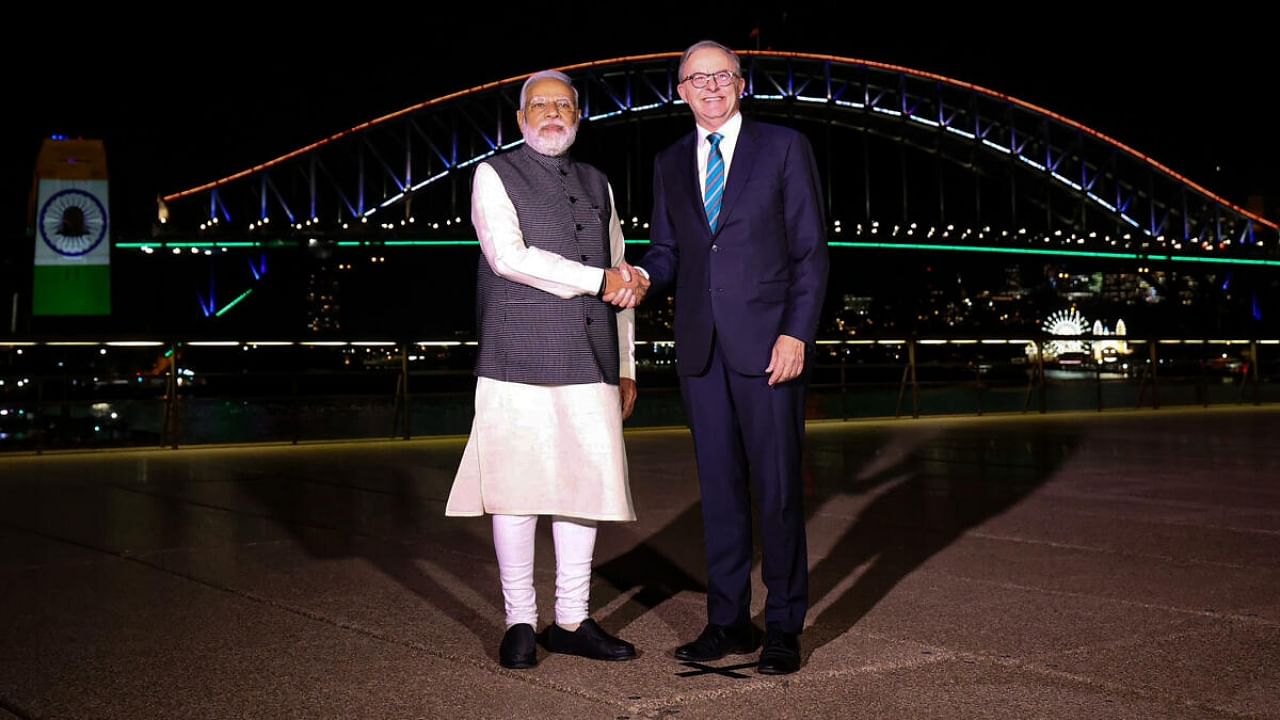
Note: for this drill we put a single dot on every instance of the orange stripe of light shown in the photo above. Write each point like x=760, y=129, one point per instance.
x=759, y=53
x=397, y=114
x=1029, y=106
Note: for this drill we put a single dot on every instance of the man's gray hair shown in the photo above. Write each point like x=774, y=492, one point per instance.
x=702, y=44
x=547, y=75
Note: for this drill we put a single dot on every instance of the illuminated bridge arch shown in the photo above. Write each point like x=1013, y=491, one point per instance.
x=367, y=179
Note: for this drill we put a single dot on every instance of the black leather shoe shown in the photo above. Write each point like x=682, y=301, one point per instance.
x=519, y=648
x=781, y=653
x=716, y=641
x=588, y=641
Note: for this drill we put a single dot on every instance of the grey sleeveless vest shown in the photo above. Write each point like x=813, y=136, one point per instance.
x=531, y=336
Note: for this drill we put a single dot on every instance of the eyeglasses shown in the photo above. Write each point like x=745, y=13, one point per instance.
x=541, y=105
x=722, y=78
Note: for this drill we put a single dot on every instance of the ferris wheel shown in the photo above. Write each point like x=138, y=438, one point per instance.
x=1066, y=322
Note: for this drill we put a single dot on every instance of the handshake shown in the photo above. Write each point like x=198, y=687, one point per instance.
x=624, y=286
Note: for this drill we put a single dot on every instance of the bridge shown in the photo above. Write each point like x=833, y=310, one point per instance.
x=911, y=159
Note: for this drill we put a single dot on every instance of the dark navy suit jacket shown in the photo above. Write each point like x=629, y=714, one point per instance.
x=763, y=272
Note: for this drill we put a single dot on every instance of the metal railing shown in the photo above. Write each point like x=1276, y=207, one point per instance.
x=58, y=394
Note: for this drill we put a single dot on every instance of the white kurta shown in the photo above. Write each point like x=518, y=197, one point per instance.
x=543, y=449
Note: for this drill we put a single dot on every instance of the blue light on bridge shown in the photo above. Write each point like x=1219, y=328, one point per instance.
x=464, y=163
x=439, y=175
x=1102, y=202
x=1032, y=163
x=1073, y=185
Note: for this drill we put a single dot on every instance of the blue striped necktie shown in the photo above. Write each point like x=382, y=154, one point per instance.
x=715, y=181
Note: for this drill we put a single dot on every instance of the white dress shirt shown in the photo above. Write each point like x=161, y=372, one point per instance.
x=730, y=130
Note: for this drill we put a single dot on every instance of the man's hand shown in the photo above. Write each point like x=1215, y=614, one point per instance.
x=787, y=361
x=624, y=286
x=627, y=390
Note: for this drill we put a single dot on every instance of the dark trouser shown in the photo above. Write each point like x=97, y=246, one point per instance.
x=742, y=427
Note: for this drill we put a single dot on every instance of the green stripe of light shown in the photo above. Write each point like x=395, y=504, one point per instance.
x=835, y=244
x=1062, y=253
x=427, y=243
x=233, y=303
x=979, y=248
x=208, y=245
x=1241, y=261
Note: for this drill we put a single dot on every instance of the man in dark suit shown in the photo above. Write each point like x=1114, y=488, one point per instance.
x=738, y=227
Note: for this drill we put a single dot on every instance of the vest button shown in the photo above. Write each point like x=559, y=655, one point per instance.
x=579, y=226
x=573, y=199
x=586, y=258
x=588, y=321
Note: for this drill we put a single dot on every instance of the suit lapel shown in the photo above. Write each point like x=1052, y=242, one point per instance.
x=688, y=185
x=744, y=159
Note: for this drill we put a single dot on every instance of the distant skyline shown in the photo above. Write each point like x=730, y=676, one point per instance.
x=175, y=111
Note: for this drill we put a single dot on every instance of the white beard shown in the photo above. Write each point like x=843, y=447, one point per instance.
x=552, y=144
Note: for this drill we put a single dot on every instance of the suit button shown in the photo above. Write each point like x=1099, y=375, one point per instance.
x=579, y=226
x=586, y=258
x=573, y=199
x=588, y=321
x=715, y=248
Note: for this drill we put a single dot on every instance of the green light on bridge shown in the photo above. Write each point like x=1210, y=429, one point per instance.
x=233, y=303
x=1155, y=257
x=979, y=248
x=405, y=243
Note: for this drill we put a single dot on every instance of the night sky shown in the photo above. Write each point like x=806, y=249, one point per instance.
x=195, y=101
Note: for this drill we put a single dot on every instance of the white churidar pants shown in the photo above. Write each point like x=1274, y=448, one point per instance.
x=575, y=540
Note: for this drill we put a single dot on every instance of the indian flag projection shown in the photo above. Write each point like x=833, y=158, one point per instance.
x=72, y=227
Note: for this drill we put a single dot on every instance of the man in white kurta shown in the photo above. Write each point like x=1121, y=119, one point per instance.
x=547, y=449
